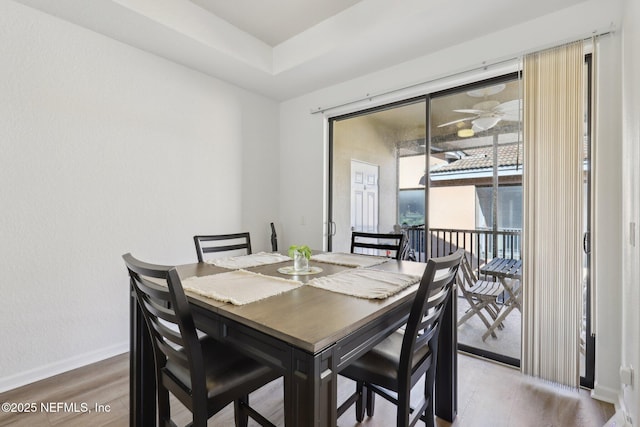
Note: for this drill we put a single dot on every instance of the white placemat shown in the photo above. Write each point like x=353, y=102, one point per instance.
x=365, y=283
x=239, y=287
x=349, y=260
x=247, y=261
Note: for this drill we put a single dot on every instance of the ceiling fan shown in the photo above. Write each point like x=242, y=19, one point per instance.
x=487, y=114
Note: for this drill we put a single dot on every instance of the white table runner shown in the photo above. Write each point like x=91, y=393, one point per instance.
x=239, y=287
x=365, y=283
x=247, y=261
x=349, y=260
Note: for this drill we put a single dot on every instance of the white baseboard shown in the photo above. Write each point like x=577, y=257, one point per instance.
x=606, y=394
x=42, y=372
x=621, y=418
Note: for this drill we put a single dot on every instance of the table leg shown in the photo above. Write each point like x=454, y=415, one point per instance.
x=311, y=390
x=512, y=302
x=142, y=379
x=514, y=295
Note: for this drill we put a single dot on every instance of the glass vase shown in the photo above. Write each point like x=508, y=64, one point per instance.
x=300, y=262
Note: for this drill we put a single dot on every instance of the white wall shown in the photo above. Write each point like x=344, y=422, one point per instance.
x=606, y=254
x=105, y=149
x=630, y=325
x=453, y=207
x=305, y=133
x=260, y=169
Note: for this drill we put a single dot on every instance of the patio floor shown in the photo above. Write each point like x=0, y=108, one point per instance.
x=507, y=341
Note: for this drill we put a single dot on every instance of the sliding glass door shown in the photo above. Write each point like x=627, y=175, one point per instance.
x=377, y=162
x=446, y=168
x=476, y=201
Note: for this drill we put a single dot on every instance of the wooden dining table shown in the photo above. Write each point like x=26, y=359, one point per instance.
x=307, y=334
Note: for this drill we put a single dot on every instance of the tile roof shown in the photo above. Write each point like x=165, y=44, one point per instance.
x=482, y=158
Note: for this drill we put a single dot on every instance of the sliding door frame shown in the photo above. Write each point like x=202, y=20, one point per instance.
x=588, y=379
x=331, y=227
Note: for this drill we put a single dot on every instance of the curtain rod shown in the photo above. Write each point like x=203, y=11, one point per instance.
x=483, y=67
x=370, y=97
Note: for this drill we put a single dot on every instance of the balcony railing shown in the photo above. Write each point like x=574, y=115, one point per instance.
x=481, y=245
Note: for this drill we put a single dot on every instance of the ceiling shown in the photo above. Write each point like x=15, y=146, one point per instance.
x=286, y=18
x=286, y=48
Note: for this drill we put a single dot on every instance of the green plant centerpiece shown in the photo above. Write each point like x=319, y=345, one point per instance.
x=300, y=255
x=304, y=250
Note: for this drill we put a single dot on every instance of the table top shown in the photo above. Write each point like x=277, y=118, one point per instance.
x=503, y=267
x=309, y=318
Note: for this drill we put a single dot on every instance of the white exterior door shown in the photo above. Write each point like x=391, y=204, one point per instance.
x=364, y=197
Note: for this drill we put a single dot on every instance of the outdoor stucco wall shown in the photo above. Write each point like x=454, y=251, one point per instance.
x=359, y=139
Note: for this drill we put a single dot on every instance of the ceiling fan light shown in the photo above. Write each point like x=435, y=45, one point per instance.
x=484, y=123
x=465, y=133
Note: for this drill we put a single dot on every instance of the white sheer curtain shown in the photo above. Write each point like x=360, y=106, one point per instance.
x=553, y=195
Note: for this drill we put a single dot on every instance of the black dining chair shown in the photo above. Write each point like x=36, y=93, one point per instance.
x=202, y=373
x=274, y=238
x=397, y=363
x=222, y=243
x=385, y=244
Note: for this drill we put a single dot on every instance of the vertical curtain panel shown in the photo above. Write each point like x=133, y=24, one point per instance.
x=554, y=132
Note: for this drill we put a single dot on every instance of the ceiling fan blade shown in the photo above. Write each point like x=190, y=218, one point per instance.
x=510, y=110
x=488, y=105
x=509, y=107
x=456, y=121
x=511, y=116
x=471, y=111
x=514, y=104
x=486, y=91
x=485, y=123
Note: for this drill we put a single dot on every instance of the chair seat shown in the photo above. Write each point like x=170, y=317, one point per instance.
x=380, y=365
x=226, y=370
x=486, y=288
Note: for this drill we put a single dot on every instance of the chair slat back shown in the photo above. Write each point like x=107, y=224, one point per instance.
x=375, y=243
x=427, y=310
x=222, y=243
x=166, y=312
x=466, y=275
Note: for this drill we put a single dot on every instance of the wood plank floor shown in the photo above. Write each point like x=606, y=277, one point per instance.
x=489, y=395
